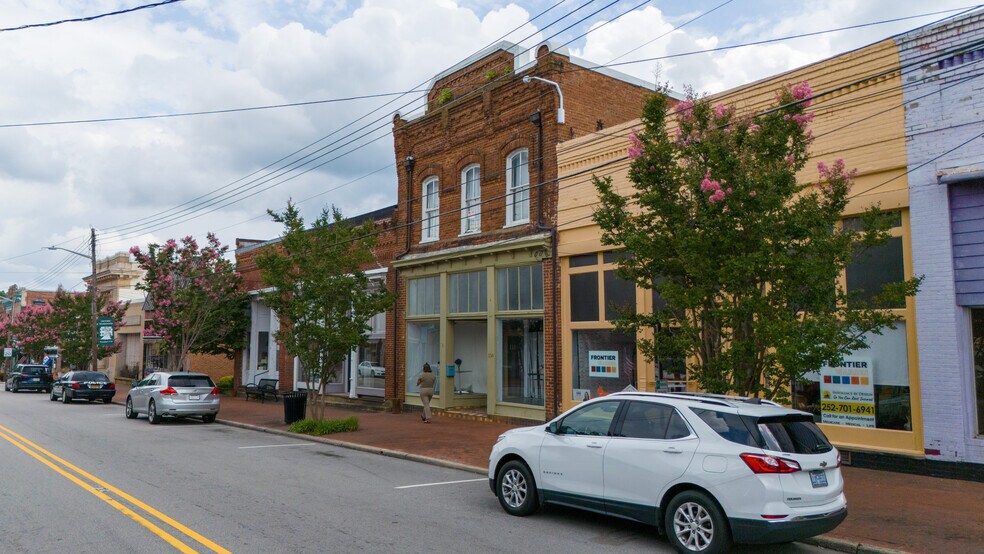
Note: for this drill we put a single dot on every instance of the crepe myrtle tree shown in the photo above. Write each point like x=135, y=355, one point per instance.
x=71, y=320
x=198, y=305
x=33, y=330
x=320, y=293
x=745, y=257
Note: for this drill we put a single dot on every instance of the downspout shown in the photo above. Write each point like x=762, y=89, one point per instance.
x=408, y=163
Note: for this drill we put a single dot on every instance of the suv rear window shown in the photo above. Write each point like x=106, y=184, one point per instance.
x=33, y=370
x=190, y=381
x=94, y=376
x=792, y=434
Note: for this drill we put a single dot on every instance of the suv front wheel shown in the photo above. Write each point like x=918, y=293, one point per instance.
x=515, y=488
x=694, y=523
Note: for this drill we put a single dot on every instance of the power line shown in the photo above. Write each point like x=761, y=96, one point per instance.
x=91, y=17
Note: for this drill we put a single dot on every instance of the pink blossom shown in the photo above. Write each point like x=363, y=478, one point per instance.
x=707, y=184
x=635, y=146
x=721, y=111
x=803, y=92
x=754, y=128
x=717, y=196
x=753, y=194
x=634, y=152
x=685, y=107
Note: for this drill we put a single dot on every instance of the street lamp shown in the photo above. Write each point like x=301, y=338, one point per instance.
x=92, y=293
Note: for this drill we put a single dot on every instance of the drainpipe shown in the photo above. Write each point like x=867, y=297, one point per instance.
x=408, y=163
x=536, y=119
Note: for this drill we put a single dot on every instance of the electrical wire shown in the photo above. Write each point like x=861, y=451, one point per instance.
x=91, y=17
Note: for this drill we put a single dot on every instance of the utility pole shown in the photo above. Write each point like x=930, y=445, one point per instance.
x=92, y=293
x=95, y=313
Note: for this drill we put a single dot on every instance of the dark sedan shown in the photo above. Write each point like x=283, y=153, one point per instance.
x=29, y=377
x=83, y=385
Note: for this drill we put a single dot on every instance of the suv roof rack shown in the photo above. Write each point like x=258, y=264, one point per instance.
x=710, y=398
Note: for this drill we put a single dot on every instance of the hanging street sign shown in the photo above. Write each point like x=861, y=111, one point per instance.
x=106, y=331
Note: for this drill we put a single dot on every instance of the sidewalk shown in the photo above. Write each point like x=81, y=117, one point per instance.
x=892, y=511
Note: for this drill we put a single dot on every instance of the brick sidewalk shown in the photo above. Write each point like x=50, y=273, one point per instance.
x=895, y=511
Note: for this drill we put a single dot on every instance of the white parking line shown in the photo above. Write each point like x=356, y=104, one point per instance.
x=278, y=445
x=441, y=483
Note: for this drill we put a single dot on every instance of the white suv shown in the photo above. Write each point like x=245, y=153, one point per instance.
x=707, y=470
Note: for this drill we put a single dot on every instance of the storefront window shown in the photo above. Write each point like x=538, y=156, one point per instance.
x=520, y=288
x=467, y=292
x=977, y=316
x=875, y=267
x=424, y=296
x=423, y=346
x=603, y=362
x=620, y=296
x=869, y=389
x=521, y=361
x=584, y=297
x=370, y=372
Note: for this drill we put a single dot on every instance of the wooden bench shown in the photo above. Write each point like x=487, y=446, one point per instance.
x=261, y=390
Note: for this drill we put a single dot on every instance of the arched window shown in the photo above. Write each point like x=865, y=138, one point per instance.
x=430, y=210
x=471, y=200
x=517, y=187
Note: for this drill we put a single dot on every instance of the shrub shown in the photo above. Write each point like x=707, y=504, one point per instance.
x=320, y=427
x=224, y=383
x=445, y=96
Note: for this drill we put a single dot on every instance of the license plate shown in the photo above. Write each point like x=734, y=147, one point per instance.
x=194, y=397
x=32, y=380
x=95, y=386
x=818, y=478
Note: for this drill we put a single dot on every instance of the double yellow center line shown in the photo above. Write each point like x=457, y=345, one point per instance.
x=97, y=486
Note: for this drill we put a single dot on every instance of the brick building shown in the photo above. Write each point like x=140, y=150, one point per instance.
x=265, y=358
x=476, y=224
x=944, y=107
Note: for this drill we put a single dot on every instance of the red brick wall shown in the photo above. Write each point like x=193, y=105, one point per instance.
x=484, y=122
x=214, y=365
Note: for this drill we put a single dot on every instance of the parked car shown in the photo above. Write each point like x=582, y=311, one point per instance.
x=706, y=470
x=175, y=395
x=29, y=377
x=371, y=369
x=83, y=385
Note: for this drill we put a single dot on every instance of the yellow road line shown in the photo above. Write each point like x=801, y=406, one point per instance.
x=102, y=496
x=143, y=506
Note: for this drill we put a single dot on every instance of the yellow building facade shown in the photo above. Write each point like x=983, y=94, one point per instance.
x=859, y=117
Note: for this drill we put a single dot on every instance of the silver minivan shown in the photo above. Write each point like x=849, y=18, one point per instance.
x=173, y=394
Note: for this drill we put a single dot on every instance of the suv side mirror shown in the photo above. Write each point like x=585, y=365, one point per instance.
x=552, y=428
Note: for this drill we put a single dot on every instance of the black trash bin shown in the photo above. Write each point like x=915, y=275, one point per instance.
x=295, y=404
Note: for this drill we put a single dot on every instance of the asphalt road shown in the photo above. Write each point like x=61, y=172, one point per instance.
x=82, y=478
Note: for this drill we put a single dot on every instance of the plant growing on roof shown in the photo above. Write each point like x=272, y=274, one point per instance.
x=320, y=293
x=195, y=292
x=444, y=96
x=745, y=257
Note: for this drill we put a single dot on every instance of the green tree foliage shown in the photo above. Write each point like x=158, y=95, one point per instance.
x=198, y=303
x=746, y=258
x=70, y=319
x=320, y=292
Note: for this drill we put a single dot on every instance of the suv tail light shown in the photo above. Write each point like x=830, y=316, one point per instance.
x=215, y=391
x=168, y=391
x=76, y=386
x=112, y=386
x=761, y=463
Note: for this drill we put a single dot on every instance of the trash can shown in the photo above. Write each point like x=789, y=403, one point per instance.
x=295, y=404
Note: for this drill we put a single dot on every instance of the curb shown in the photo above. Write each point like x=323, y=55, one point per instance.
x=843, y=545
x=360, y=447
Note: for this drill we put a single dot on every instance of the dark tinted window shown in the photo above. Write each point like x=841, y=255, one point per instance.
x=646, y=420
x=620, y=296
x=33, y=370
x=190, y=381
x=730, y=426
x=794, y=435
x=584, y=297
x=594, y=419
x=875, y=267
x=583, y=260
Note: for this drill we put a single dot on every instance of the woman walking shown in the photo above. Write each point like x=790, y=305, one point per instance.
x=426, y=383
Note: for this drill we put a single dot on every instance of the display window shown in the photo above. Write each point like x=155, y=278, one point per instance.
x=423, y=346
x=977, y=322
x=603, y=362
x=521, y=367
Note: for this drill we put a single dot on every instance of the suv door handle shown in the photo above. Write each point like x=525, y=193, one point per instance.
x=672, y=450
x=594, y=445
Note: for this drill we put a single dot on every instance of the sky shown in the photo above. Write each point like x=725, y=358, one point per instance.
x=139, y=179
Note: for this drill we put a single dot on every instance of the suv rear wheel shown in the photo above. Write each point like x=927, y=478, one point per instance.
x=130, y=414
x=152, y=416
x=516, y=490
x=694, y=523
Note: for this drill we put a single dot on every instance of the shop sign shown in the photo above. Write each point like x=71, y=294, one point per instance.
x=603, y=363
x=105, y=329
x=847, y=393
